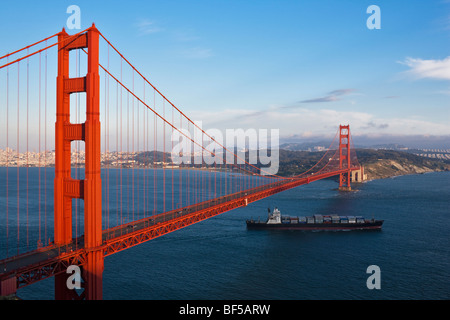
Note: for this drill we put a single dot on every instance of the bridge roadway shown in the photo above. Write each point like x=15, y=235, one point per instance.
x=51, y=260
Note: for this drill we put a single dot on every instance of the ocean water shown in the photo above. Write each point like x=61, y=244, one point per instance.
x=220, y=259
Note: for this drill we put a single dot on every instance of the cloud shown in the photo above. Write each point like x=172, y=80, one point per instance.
x=197, y=53
x=428, y=69
x=146, y=26
x=319, y=122
x=372, y=124
x=185, y=35
x=446, y=92
x=331, y=96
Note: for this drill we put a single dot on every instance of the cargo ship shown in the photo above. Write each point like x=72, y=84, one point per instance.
x=315, y=222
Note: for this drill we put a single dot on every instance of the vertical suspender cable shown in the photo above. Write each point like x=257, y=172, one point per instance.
x=132, y=149
x=188, y=171
x=154, y=157
x=137, y=158
x=78, y=170
x=77, y=120
x=18, y=155
x=39, y=154
x=105, y=193
x=173, y=207
x=28, y=99
x=7, y=159
x=180, y=170
x=128, y=154
x=164, y=159
x=144, y=158
x=117, y=153
x=108, y=148
x=121, y=145
x=45, y=148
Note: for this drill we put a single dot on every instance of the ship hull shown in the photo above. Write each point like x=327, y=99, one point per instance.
x=372, y=225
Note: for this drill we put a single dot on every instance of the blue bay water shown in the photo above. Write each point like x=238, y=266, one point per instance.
x=220, y=259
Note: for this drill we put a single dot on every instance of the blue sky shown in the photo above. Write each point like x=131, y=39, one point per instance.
x=301, y=66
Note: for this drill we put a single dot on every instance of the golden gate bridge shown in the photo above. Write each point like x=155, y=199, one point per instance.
x=87, y=202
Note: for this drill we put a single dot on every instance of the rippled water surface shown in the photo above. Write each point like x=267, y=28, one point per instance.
x=221, y=259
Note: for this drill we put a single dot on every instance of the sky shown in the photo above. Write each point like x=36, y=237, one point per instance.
x=302, y=67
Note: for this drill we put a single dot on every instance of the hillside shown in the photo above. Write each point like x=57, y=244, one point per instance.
x=378, y=164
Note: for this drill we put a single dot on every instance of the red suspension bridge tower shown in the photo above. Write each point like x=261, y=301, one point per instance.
x=344, y=158
x=89, y=189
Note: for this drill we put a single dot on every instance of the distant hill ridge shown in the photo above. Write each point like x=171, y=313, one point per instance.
x=378, y=164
